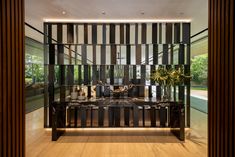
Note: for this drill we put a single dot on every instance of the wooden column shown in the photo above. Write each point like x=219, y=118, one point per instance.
x=221, y=79
x=12, y=102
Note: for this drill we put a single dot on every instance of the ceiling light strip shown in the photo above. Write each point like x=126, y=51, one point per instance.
x=116, y=20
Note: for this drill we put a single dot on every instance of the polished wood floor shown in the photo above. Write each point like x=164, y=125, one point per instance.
x=115, y=142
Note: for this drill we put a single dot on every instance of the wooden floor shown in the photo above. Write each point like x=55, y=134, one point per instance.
x=115, y=142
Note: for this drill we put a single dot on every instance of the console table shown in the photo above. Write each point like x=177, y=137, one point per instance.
x=175, y=112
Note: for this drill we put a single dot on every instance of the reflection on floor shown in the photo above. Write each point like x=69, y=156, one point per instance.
x=116, y=142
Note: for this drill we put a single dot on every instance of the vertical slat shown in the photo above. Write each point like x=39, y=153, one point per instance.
x=51, y=79
x=94, y=54
x=17, y=33
x=177, y=33
x=220, y=146
x=103, y=54
x=154, y=33
x=126, y=74
x=128, y=54
x=4, y=70
x=142, y=81
x=62, y=83
x=138, y=54
x=122, y=33
x=168, y=33
x=155, y=54
x=113, y=54
x=181, y=54
x=85, y=33
x=94, y=33
x=45, y=75
x=143, y=33
x=165, y=54
x=112, y=33
x=111, y=74
x=59, y=33
x=79, y=74
x=12, y=79
x=86, y=75
x=84, y=54
x=226, y=77
x=8, y=56
x=1, y=98
x=127, y=33
x=231, y=79
x=136, y=33
x=186, y=33
x=94, y=75
x=104, y=33
x=70, y=33
x=217, y=61
x=160, y=33
x=147, y=54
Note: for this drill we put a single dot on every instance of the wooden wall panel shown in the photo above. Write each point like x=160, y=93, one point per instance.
x=12, y=108
x=221, y=79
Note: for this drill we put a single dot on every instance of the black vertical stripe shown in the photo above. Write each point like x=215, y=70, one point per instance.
x=121, y=33
x=85, y=33
x=112, y=33
x=143, y=33
x=113, y=54
x=70, y=33
x=186, y=33
x=155, y=54
x=127, y=33
x=59, y=33
x=169, y=33
x=160, y=33
x=154, y=33
x=94, y=33
x=128, y=54
x=177, y=33
x=181, y=54
x=165, y=54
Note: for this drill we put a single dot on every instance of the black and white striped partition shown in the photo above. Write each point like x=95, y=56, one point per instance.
x=116, y=54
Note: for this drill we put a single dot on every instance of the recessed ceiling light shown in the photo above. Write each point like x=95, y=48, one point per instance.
x=103, y=12
x=63, y=12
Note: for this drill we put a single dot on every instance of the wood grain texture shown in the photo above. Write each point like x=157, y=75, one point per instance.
x=221, y=78
x=12, y=109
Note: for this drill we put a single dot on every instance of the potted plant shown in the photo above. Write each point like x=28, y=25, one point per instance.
x=167, y=78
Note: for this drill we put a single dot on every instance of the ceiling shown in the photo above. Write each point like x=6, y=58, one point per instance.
x=38, y=10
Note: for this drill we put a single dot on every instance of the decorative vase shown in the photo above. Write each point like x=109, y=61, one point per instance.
x=166, y=93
